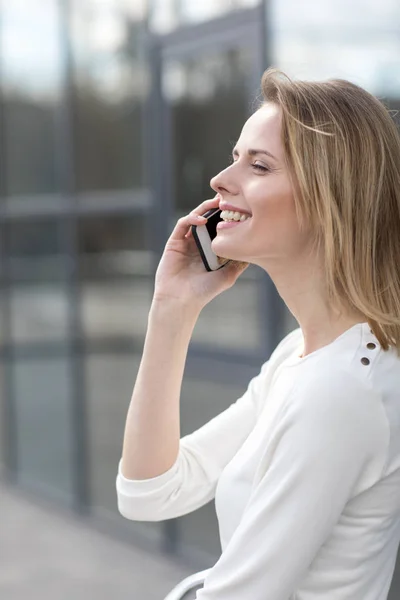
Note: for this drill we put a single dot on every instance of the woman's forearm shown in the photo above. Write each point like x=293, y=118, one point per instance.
x=152, y=430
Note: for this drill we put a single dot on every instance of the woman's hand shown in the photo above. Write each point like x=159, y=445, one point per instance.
x=181, y=274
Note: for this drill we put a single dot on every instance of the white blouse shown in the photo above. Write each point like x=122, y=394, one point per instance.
x=305, y=471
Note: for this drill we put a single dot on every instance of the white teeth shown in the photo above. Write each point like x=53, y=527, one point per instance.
x=230, y=215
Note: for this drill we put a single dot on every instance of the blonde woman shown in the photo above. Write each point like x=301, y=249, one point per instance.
x=305, y=466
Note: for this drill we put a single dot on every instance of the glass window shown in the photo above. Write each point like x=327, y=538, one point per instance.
x=31, y=81
x=319, y=40
x=110, y=380
x=111, y=81
x=116, y=272
x=231, y=319
x=39, y=313
x=3, y=323
x=37, y=263
x=166, y=15
x=4, y=429
x=34, y=249
x=42, y=398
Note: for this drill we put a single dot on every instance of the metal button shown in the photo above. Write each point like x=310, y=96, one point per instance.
x=365, y=360
x=371, y=345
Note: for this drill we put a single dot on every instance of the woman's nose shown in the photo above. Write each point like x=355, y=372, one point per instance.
x=219, y=184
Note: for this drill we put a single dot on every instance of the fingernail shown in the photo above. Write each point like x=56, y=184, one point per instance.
x=200, y=218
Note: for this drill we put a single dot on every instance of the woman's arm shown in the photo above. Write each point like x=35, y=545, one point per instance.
x=152, y=430
x=200, y=458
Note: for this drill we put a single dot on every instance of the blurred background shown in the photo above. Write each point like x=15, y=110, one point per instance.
x=114, y=116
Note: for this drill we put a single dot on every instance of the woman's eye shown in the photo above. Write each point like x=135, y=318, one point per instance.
x=259, y=167
x=255, y=166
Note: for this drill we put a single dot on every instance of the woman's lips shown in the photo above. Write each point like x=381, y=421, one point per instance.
x=229, y=224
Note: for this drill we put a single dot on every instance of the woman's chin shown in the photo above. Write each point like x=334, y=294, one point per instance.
x=222, y=250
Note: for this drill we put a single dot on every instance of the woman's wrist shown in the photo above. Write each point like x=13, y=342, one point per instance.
x=174, y=309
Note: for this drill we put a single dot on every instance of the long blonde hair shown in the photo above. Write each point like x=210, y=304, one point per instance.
x=342, y=149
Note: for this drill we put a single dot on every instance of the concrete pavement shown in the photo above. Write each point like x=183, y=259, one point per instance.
x=48, y=555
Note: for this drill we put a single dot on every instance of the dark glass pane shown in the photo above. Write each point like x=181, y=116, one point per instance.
x=116, y=272
x=37, y=265
x=31, y=81
x=35, y=250
x=42, y=396
x=111, y=80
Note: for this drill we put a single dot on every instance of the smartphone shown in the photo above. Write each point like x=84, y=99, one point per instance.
x=203, y=236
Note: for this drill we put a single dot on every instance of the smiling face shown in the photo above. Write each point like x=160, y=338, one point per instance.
x=259, y=183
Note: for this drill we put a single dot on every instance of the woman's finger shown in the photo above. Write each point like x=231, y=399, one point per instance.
x=183, y=224
x=207, y=204
x=194, y=218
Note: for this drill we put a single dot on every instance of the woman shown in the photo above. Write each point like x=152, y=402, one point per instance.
x=305, y=467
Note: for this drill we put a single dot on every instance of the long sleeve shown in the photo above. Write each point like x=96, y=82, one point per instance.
x=329, y=444
x=191, y=481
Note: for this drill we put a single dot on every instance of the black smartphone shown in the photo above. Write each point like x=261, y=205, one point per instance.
x=203, y=236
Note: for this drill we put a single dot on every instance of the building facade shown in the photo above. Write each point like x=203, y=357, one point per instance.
x=115, y=114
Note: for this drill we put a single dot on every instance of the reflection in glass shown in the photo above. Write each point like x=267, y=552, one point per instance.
x=194, y=12
x=111, y=81
x=166, y=15
x=115, y=269
x=209, y=103
x=42, y=396
x=31, y=80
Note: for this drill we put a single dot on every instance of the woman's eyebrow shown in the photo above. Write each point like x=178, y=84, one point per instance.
x=253, y=151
